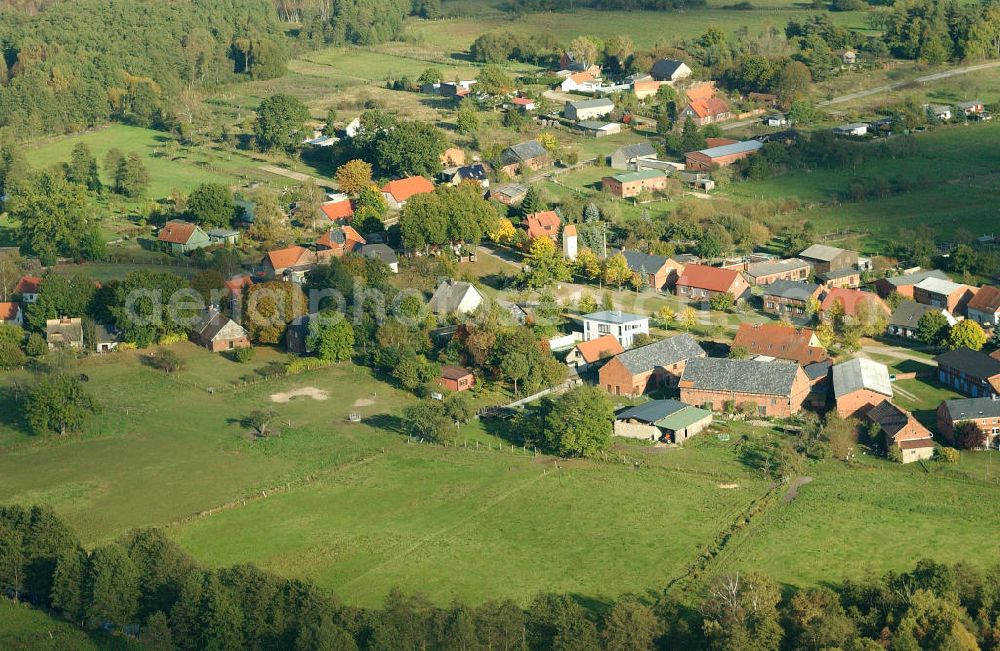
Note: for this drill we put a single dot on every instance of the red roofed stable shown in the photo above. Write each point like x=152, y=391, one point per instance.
x=781, y=341
x=338, y=210
x=699, y=281
x=853, y=301
x=398, y=192
x=543, y=224
x=456, y=378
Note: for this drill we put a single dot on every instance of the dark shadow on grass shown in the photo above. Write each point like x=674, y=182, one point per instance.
x=388, y=422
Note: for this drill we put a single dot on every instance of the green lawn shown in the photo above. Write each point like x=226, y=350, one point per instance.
x=170, y=167
x=954, y=186
x=28, y=629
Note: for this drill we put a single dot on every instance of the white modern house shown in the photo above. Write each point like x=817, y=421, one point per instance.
x=622, y=325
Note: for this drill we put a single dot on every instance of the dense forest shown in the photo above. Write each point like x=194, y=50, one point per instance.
x=143, y=585
x=77, y=64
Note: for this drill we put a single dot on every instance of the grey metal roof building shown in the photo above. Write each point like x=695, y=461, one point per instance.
x=861, y=373
x=740, y=376
x=915, y=277
x=821, y=252
x=734, y=148
x=652, y=411
x=521, y=152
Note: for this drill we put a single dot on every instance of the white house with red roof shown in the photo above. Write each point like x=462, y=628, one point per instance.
x=398, y=192
x=28, y=287
x=543, y=224
x=11, y=313
x=338, y=211
x=702, y=282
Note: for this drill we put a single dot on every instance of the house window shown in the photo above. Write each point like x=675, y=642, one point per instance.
x=761, y=410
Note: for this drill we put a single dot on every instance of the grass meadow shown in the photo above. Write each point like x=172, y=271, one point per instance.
x=23, y=628
x=170, y=167
x=359, y=509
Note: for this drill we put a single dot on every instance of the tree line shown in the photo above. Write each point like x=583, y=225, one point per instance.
x=144, y=586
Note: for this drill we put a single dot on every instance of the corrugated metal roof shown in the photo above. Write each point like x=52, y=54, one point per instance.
x=735, y=148
x=861, y=373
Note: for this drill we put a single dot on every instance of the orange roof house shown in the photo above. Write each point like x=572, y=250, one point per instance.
x=781, y=341
x=700, y=281
x=28, y=285
x=545, y=223
x=291, y=261
x=398, y=192
x=10, y=313
x=236, y=284
x=337, y=211
x=181, y=237
x=341, y=240
x=854, y=302
x=587, y=353
x=706, y=111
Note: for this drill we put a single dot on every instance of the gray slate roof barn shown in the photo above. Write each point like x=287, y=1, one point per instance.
x=821, y=252
x=637, y=150
x=973, y=363
x=740, y=376
x=858, y=374
x=972, y=408
x=791, y=289
x=665, y=68
x=647, y=262
x=664, y=352
x=521, y=152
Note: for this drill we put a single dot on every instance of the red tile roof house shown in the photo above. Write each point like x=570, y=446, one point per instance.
x=182, y=237
x=778, y=389
x=543, y=224
x=11, y=313
x=338, y=211
x=586, y=354
x=853, y=301
x=338, y=241
x=398, y=192
x=290, y=263
x=984, y=308
x=456, y=378
x=701, y=282
x=649, y=367
x=859, y=385
x=704, y=111
x=28, y=288
x=780, y=341
x=902, y=431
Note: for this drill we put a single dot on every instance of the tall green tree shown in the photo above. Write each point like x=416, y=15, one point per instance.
x=331, y=337
x=57, y=403
x=112, y=587
x=280, y=122
x=579, y=422
x=82, y=168
x=131, y=177
x=211, y=205
x=52, y=214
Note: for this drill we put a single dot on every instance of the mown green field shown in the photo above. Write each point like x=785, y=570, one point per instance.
x=170, y=167
x=359, y=509
x=644, y=27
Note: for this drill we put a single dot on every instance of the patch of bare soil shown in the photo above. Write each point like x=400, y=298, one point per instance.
x=727, y=485
x=793, y=488
x=306, y=392
x=363, y=402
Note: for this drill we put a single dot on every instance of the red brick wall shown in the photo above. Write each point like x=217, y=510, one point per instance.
x=775, y=406
x=854, y=403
